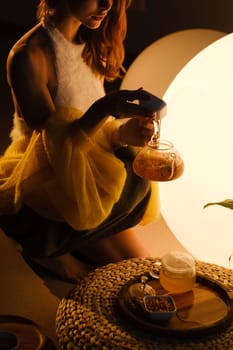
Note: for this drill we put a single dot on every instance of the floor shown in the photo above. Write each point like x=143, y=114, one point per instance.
x=23, y=292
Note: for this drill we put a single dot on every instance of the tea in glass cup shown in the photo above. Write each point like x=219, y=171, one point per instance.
x=177, y=272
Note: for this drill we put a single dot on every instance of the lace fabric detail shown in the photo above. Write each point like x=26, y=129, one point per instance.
x=78, y=87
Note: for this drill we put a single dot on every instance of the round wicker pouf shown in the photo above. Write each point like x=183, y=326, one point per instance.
x=87, y=317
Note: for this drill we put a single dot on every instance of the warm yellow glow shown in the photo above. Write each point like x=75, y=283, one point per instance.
x=156, y=66
x=200, y=123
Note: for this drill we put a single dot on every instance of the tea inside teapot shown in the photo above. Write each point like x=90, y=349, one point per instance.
x=158, y=160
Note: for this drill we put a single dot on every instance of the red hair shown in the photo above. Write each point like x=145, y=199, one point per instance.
x=104, y=50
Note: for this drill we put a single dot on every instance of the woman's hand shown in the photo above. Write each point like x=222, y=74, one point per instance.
x=125, y=104
x=136, y=131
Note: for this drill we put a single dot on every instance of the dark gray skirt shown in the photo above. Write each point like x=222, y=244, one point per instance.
x=40, y=237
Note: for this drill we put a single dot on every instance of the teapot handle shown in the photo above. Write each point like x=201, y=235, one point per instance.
x=172, y=158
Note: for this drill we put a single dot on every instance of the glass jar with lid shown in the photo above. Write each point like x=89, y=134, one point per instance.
x=177, y=272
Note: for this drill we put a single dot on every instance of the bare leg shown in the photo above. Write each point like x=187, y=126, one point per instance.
x=118, y=247
x=123, y=245
x=65, y=267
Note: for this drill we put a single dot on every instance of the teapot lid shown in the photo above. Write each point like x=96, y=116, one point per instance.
x=162, y=145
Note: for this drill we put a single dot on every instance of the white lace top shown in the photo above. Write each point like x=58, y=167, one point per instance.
x=78, y=87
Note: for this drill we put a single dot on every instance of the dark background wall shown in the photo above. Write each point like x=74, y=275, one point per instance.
x=148, y=20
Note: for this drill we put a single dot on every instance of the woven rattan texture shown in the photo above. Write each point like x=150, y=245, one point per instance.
x=87, y=317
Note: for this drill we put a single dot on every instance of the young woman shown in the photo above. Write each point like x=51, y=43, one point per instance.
x=67, y=191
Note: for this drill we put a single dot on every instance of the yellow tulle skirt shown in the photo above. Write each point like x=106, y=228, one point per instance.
x=77, y=180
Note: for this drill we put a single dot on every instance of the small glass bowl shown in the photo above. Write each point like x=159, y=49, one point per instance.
x=159, y=307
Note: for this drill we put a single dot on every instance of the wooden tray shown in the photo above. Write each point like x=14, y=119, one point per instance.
x=29, y=334
x=207, y=309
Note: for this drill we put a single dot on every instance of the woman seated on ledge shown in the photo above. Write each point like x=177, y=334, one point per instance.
x=67, y=191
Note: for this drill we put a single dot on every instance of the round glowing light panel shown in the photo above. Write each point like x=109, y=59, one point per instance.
x=199, y=122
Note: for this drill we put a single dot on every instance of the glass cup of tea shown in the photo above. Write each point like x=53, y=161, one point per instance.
x=177, y=272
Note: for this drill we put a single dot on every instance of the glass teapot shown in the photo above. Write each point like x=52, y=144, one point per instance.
x=158, y=160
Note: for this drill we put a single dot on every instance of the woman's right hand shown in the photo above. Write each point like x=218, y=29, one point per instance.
x=120, y=104
x=125, y=104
